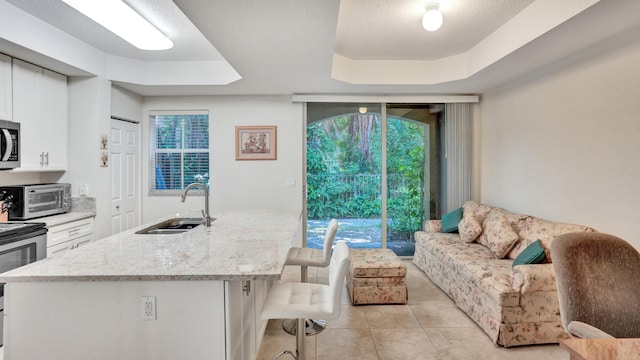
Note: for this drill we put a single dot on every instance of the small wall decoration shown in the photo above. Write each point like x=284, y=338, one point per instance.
x=256, y=143
x=104, y=159
x=104, y=142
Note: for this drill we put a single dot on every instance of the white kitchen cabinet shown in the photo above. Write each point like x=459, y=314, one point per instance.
x=6, y=102
x=40, y=106
x=64, y=237
x=243, y=307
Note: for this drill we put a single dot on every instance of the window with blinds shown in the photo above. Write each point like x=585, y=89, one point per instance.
x=178, y=150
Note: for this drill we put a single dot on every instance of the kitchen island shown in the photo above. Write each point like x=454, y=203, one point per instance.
x=206, y=287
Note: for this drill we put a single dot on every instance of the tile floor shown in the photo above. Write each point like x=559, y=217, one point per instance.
x=430, y=327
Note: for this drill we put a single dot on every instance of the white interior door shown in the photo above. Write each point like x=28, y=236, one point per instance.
x=125, y=167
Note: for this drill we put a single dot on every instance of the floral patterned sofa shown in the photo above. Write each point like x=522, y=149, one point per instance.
x=514, y=305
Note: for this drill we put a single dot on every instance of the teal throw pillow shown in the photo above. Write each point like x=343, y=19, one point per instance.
x=533, y=254
x=450, y=221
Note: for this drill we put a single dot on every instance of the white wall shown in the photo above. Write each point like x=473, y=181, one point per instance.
x=125, y=104
x=564, y=143
x=235, y=184
x=89, y=108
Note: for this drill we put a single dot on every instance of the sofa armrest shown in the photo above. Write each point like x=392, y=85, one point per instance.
x=534, y=277
x=433, y=226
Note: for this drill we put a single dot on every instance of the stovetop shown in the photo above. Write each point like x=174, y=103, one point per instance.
x=18, y=228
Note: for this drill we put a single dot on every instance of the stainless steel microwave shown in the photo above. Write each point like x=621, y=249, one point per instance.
x=37, y=200
x=9, y=145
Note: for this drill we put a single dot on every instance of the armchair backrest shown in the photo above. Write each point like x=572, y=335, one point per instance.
x=598, y=278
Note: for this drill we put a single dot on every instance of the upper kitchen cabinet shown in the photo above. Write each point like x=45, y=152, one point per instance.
x=40, y=106
x=6, y=103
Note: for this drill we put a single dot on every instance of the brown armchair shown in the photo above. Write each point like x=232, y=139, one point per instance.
x=598, y=279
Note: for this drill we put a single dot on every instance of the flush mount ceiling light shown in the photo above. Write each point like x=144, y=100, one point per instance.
x=362, y=110
x=123, y=21
x=432, y=19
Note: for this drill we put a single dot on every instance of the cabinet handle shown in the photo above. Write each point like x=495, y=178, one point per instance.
x=41, y=159
x=46, y=158
x=246, y=286
x=74, y=231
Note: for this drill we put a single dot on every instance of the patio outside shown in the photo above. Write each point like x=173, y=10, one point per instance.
x=358, y=233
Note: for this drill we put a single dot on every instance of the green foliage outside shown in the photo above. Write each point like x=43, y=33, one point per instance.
x=181, y=150
x=344, y=162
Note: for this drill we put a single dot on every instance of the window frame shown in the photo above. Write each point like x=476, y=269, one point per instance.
x=154, y=150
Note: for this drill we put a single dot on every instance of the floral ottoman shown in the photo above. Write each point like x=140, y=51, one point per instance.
x=376, y=276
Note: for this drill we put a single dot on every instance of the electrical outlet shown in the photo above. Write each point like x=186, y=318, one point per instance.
x=291, y=182
x=148, y=308
x=84, y=190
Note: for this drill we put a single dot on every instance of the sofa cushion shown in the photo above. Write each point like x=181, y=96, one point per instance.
x=532, y=254
x=469, y=228
x=450, y=220
x=472, y=216
x=546, y=231
x=497, y=234
x=450, y=250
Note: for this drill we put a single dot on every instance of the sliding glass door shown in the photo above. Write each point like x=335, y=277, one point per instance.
x=354, y=151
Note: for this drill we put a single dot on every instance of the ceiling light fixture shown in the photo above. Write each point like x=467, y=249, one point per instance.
x=123, y=21
x=362, y=110
x=432, y=19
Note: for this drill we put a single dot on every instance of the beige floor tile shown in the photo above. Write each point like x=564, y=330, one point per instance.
x=351, y=317
x=440, y=314
x=274, y=324
x=425, y=291
x=275, y=341
x=345, y=344
x=390, y=317
x=403, y=344
x=463, y=343
x=534, y=352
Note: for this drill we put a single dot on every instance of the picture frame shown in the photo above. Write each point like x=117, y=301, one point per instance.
x=256, y=142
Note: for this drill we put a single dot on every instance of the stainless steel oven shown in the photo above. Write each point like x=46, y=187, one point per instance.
x=20, y=244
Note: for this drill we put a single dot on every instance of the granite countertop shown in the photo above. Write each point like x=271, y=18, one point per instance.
x=239, y=245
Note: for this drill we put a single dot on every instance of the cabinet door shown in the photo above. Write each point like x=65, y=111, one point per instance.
x=261, y=290
x=240, y=316
x=6, y=102
x=83, y=240
x=53, y=104
x=70, y=231
x=59, y=248
x=40, y=106
x=26, y=111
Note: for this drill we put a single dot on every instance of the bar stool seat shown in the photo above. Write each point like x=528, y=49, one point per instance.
x=304, y=257
x=309, y=300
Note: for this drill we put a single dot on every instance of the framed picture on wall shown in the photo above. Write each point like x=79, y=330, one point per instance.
x=256, y=143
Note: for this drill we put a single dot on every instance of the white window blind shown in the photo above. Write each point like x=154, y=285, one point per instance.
x=178, y=150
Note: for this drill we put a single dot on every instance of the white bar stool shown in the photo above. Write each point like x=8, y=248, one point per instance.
x=308, y=300
x=305, y=257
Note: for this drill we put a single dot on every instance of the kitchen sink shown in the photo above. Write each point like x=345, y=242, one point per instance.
x=172, y=226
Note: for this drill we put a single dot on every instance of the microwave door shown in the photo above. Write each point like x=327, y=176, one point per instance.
x=7, y=143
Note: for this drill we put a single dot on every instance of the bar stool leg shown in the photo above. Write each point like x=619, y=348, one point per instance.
x=300, y=343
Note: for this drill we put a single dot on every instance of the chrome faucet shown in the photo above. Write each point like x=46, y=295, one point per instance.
x=206, y=217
